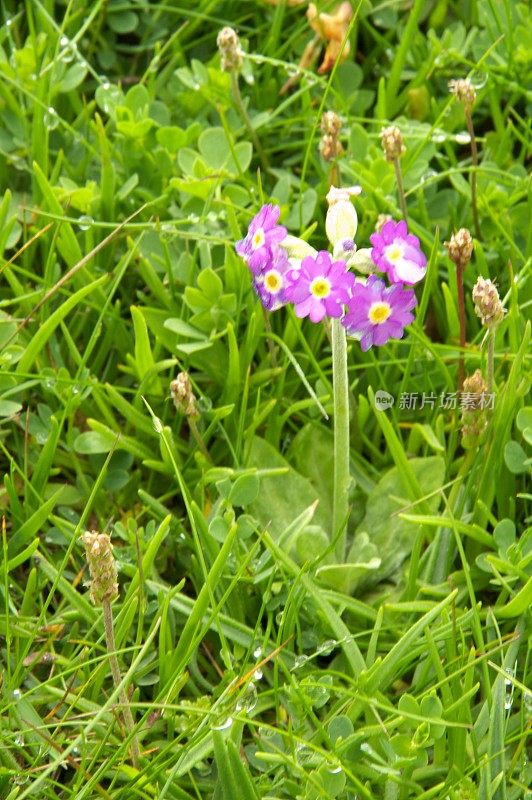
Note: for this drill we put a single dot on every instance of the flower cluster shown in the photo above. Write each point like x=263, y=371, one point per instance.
x=288, y=270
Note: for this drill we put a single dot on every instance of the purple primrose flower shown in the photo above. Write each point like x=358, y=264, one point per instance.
x=271, y=282
x=377, y=313
x=263, y=234
x=321, y=287
x=398, y=253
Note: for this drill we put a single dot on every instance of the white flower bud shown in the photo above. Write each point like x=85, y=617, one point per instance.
x=361, y=261
x=341, y=221
x=297, y=248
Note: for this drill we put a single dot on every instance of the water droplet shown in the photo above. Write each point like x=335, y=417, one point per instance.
x=9, y=23
x=478, y=79
x=462, y=138
x=300, y=662
x=51, y=120
x=68, y=49
x=257, y=652
x=335, y=769
x=41, y=438
x=326, y=647
x=438, y=136
x=17, y=694
x=222, y=726
x=509, y=687
x=258, y=674
x=85, y=222
x=279, y=618
x=193, y=219
x=166, y=228
x=49, y=383
x=76, y=389
x=249, y=699
x=182, y=536
x=19, y=740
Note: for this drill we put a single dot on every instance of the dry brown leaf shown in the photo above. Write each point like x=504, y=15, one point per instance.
x=332, y=28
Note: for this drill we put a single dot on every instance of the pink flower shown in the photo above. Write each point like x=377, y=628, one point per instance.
x=263, y=234
x=271, y=282
x=377, y=313
x=398, y=253
x=321, y=287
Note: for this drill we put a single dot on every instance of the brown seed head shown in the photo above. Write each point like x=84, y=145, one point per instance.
x=230, y=50
x=487, y=302
x=460, y=247
x=102, y=567
x=330, y=145
x=464, y=92
x=474, y=403
x=392, y=142
x=183, y=396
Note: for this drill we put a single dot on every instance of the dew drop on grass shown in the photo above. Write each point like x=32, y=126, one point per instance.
x=300, y=661
x=335, y=769
x=51, y=120
x=257, y=652
x=509, y=687
x=258, y=674
x=17, y=694
x=249, y=699
x=462, y=138
x=19, y=740
x=438, y=136
x=326, y=647
x=224, y=724
x=85, y=222
x=478, y=78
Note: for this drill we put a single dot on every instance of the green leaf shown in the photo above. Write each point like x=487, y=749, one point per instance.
x=74, y=76
x=515, y=458
x=244, y=490
x=392, y=536
x=8, y=408
x=284, y=497
x=92, y=442
x=123, y=21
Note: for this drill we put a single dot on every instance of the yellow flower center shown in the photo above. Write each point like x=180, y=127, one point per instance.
x=393, y=252
x=320, y=287
x=273, y=281
x=379, y=312
x=258, y=239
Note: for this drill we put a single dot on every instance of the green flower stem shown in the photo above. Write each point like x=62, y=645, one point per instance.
x=341, y=438
x=474, y=162
x=491, y=358
x=400, y=188
x=247, y=122
x=462, y=319
x=127, y=716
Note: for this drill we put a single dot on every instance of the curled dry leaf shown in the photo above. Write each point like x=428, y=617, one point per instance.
x=332, y=28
